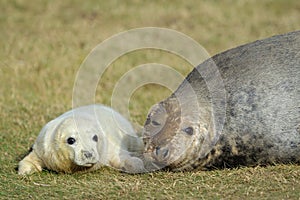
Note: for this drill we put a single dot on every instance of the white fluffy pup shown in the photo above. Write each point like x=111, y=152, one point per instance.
x=85, y=138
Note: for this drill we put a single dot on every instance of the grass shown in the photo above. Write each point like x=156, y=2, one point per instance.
x=43, y=43
x=279, y=182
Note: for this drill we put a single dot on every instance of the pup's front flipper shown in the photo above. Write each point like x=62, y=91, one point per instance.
x=30, y=164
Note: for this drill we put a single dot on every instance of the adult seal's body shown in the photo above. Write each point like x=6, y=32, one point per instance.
x=85, y=139
x=260, y=123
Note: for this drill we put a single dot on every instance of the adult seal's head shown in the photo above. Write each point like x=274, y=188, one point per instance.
x=175, y=134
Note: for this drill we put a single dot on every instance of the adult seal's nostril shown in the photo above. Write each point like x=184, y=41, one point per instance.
x=157, y=150
x=161, y=153
x=87, y=154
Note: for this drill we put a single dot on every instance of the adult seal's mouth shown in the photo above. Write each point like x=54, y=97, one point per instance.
x=151, y=163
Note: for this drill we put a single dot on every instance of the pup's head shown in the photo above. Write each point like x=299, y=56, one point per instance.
x=69, y=145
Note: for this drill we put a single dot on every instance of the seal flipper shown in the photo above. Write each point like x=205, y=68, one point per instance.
x=133, y=165
x=30, y=164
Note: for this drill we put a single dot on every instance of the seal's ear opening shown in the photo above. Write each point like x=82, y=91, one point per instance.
x=95, y=138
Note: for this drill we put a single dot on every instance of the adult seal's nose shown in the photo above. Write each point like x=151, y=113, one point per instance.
x=87, y=154
x=161, y=153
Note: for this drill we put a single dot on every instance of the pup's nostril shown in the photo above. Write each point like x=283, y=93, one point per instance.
x=87, y=154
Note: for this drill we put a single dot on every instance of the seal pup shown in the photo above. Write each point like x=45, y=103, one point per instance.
x=255, y=120
x=85, y=138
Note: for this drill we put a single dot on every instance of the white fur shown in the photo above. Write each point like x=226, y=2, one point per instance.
x=115, y=143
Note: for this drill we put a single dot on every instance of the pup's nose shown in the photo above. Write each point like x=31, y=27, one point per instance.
x=87, y=154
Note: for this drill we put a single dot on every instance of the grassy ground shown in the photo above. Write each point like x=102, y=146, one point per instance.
x=42, y=44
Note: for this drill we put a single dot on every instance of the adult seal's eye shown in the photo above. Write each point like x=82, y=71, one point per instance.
x=95, y=138
x=71, y=140
x=155, y=123
x=189, y=130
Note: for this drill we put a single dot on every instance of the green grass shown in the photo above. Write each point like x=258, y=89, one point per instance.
x=42, y=44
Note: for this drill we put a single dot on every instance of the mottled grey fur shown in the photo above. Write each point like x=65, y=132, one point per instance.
x=262, y=123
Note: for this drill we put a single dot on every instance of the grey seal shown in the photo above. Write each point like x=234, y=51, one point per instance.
x=260, y=120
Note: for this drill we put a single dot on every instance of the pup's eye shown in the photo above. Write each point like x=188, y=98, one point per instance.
x=95, y=138
x=189, y=130
x=155, y=123
x=71, y=140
